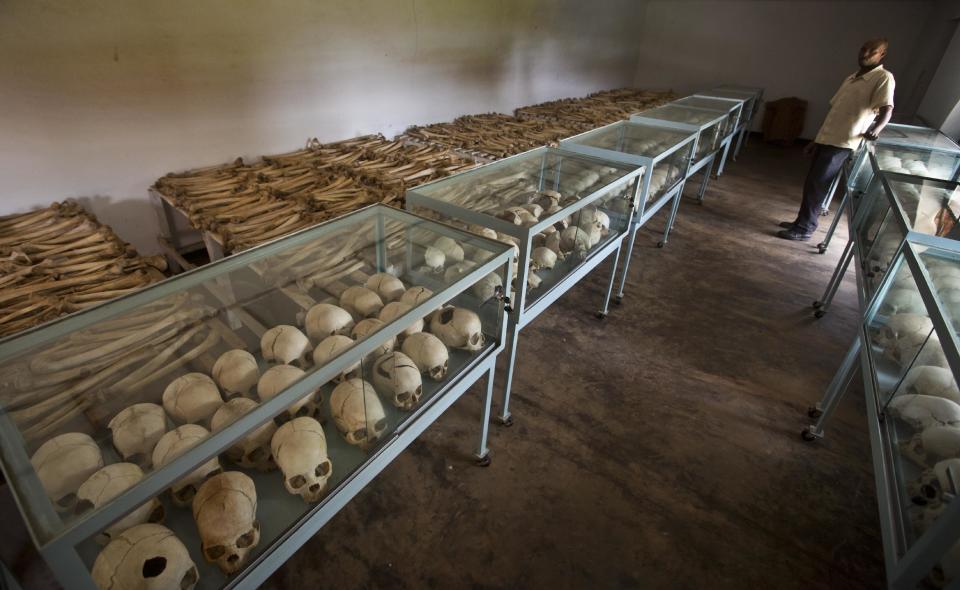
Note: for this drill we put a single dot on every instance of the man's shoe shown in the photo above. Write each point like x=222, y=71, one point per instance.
x=796, y=234
x=787, y=224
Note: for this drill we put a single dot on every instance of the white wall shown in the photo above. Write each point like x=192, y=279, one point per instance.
x=97, y=100
x=941, y=103
x=801, y=48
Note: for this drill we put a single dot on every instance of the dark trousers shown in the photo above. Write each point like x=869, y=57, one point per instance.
x=826, y=165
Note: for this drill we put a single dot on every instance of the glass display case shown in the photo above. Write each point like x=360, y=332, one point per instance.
x=197, y=432
x=754, y=97
x=907, y=351
x=666, y=154
x=708, y=126
x=732, y=107
x=893, y=205
x=563, y=212
x=920, y=151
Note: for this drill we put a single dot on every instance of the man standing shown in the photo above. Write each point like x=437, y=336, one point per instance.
x=859, y=110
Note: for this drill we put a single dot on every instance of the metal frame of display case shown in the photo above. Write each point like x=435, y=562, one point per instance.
x=852, y=251
x=520, y=314
x=894, y=134
x=733, y=107
x=59, y=544
x=751, y=105
x=643, y=212
x=705, y=162
x=906, y=565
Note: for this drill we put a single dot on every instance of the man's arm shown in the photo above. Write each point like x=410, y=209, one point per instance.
x=883, y=117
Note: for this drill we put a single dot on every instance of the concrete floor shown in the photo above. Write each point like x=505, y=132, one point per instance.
x=659, y=448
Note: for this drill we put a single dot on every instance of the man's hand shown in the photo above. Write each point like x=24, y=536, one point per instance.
x=809, y=148
x=870, y=135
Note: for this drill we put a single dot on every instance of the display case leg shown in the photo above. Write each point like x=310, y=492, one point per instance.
x=706, y=179
x=673, y=217
x=844, y=202
x=723, y=158
x=505, y=419
x=736, y=151
x=613, y=277
x=823, y=303
x=483, y=453
x=823, y=410
x=634, y=228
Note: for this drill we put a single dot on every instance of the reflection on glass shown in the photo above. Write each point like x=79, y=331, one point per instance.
x=710, y=137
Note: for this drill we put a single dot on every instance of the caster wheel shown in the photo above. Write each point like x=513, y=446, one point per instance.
x=484, y=461
x=817, y=304
x=618, y=299
x=600, y=315
x=819, y=313
x=807, y=435
x=814, y=412
x=821, y=248
x=661, y=244
x=508, y=422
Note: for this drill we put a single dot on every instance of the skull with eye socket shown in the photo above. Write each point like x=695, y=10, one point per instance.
x=396, y=376
x=300, y=449
x=457, y=327
x=358, y=413
x=225, y=510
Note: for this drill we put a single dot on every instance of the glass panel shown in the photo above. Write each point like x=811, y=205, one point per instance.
x=917, y=388
x=526, y=191
x=131, y=385
x=908, y=136
x=730, y=109
x=649, y=142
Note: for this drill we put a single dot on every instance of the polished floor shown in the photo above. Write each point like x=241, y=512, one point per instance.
x=658, y=448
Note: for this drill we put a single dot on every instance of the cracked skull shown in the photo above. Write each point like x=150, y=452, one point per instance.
x=175, y=443
x=326, y=319
x=63, y=463
x=136, y=430
x=300, y=447
x=429, y=354
x=387, y=286
x=276, y=379
x=225, y=510
x=192, y=398
x=286, y=345
x=397, y=377
x=361, y=302
x=145, y=557
x=457, y=327
x=236, y=372
x=357, y=412
x=329, y=349
x=108, y=483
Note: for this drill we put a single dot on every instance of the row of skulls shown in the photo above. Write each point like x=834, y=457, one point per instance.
x=71, y=466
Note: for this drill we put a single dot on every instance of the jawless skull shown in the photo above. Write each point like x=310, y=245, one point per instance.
x=145, y=557
x=300, y=447
x=174, y=444
x=63, y=463
x=357, y=413
x=225, y=510
x=136, y=430
x=253, y=450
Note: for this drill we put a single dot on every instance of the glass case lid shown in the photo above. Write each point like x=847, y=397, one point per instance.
x=490, y=188
x=682, y=114
x=730, y=93
x=70, y=387
x=635, y=138
x=714, y=104
x=912, y=136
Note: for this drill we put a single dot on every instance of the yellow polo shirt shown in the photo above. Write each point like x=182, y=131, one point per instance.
x=854, y=107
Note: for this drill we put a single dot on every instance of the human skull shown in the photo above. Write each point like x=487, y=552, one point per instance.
x=482, y=231
x=927, y=380
x=429, y=354
x=253, y=450
x=276, y=379
x=543, y=258
x=594, y=220
x=357, y=412
x=932, y=444
x=452, y=251
x=326, y=319
x=434, y=259
x=225, y=510
x=145, y=557
x=387, y=286
x=300, y=447
x=105, y=485
x=368, y=327
x=904, y=301
x=361, y=302
x=518, y=216
x=923, y=411
x=397, y=377
x=548, y=199
x=574, y=240
x=136, y=430
x=457, y=270
x=487, y=287
x=192, y=398
x=903, y=334
x=175, y=443
x=534, y=209
x=457, y=327
x=928, y=489
x=63, y=463
x=415, y=296
x=287, y=345
x=331, y=347
x=236, y=372
x=396, y=309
